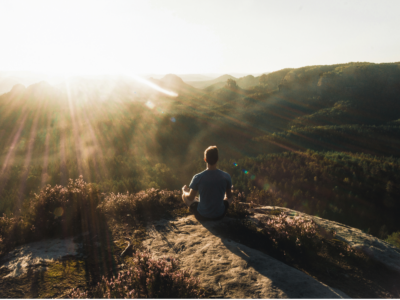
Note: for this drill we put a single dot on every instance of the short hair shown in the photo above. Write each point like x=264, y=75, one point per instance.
x=211, y=155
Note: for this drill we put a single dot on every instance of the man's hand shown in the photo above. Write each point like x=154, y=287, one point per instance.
x=185, y=189
x=228, y=195
x=188, y=195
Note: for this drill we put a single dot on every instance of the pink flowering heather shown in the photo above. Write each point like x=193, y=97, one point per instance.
x=297, y=231
x=148, y=278
x=136, y=204
x=77, y=294
x=60, y=208
x=55, y=211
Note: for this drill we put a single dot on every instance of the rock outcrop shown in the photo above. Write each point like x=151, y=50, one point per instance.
x=377, y=249
x=228, y=268
x=37, y=255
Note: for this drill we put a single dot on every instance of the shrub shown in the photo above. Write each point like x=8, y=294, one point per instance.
x=149, y=278
x=14, y=230
x=55, y=211
x=138, y=205
x=271, y=197
x=394, y=239
x=237, y=210
x=64, y=210
x=291, y=234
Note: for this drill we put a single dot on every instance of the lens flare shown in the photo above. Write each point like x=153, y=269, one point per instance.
x=150, y=104
x=152, y=85
x=173, y=119
x=58, y=212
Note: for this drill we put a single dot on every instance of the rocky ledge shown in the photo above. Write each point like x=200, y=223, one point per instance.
x=228, y=268
x=377, y=249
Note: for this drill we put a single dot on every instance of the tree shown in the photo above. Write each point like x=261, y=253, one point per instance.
x=263, y=80
x=230, y=83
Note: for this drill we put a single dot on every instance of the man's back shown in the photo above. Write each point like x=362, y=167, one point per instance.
x=212, y=185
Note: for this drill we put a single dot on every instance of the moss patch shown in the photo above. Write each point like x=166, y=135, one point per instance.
x=53, y=282
x=62, y=276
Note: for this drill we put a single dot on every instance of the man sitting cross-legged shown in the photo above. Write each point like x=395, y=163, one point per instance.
x=212, y=184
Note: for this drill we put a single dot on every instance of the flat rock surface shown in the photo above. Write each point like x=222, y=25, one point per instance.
x=37, y=255
x=374, y=247
x=228, y=268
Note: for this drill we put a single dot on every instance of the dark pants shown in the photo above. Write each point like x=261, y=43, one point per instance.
x=193, y=209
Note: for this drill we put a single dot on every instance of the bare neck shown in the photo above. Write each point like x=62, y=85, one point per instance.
x=211, y=167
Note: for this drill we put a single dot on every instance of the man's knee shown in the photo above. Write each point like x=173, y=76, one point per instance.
x=226, y=203
x=193, y=207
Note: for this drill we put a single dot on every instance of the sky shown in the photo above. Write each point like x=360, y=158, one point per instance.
x=193, y=37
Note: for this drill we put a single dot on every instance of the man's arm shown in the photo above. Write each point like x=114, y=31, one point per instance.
x=228, y=195
x=188, y=195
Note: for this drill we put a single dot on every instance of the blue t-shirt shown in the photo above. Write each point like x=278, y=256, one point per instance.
x=212, y=185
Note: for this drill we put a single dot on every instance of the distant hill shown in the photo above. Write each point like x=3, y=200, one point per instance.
x=176, y=84
x=247, y=81
x=185, y=77
x=207, y=83
x=195, y=77
x=275, y=78
x=336, y=107
x=7, y=83
x=244, y=82
x=215, y=86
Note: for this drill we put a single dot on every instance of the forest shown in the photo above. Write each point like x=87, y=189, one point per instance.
x=320, y=139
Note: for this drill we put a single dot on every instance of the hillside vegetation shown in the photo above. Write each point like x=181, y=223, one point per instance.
x=105, y=156
x=124, y=136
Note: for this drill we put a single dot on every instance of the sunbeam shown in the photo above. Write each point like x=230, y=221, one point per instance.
x=28, y=156
x=75, y=129
x=152, y=85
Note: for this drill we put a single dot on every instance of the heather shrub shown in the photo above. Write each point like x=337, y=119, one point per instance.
x=292, y=233
x=6, y=223
x=237, y=210
x=271, y=197
x=298, y=236
x=64, y=210
x=148, y=278
x=9, y=226
x=55, y=211
x=149, y=202
x=394, y=239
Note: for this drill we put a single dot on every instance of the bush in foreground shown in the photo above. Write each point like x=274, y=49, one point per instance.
x=64, y=210
x=148, y=278
x=149, y=202
x=55, y=211
x=295, y=231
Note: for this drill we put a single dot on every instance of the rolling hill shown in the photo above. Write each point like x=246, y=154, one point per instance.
x=244, y=82
x=106, y=130
x=207, y=83
x=7, y=83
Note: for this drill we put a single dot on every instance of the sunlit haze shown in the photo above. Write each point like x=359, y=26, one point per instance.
x=165, y=36
x=108, y=110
